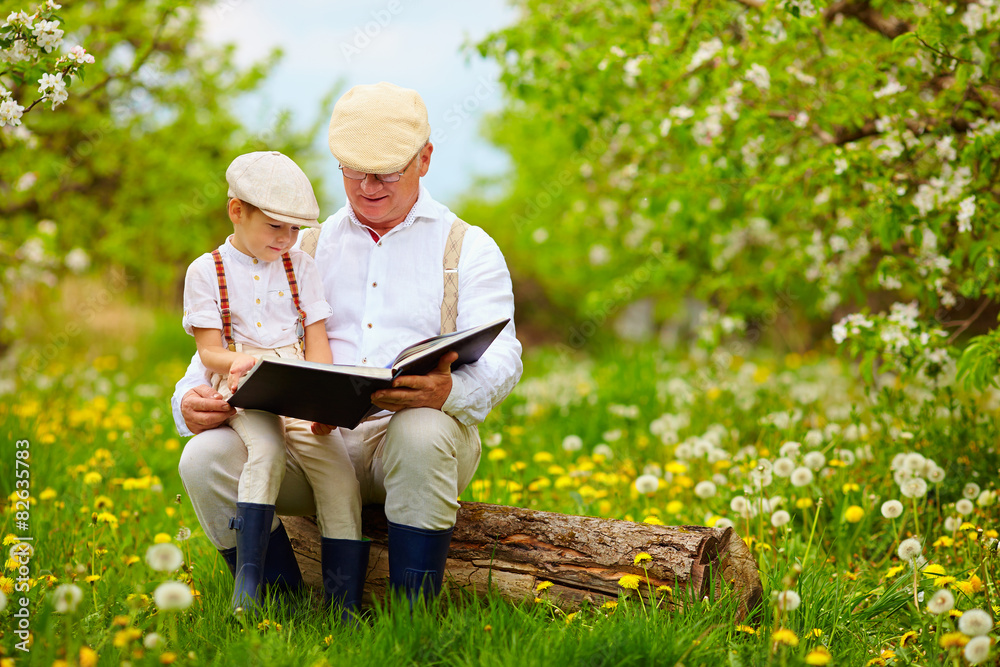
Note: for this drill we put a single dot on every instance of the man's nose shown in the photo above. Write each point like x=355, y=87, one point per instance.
x=370, y=184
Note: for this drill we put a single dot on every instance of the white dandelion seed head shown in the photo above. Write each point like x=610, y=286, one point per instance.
x=704, y=489
x=647, y=483
x=892, y=509
x=814, y=437
x=986, y=498
x=723, y=523
x=964, y=507
x=66, y=597
x=897, y=461
x=603, y=449
x=183, y=534
x=739, y=504
x=791, y=448
x=936, y=474
x=977, y=650
x=914, y=488
x=780, y=518
x=909, y=549
x=970, y=490
x=572, y=443
x=952, y=523
x=653, y=469
x=941, y=602
x=801, y=476
x=914, y=461
x=760, y=478
x=172, y=595
x=975, y=623
x=152, y=640
x=164, y=557
x=788, y=600
x=784, y=466
x=21, y=550
x=814, y=460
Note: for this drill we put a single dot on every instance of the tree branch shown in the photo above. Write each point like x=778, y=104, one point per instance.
x=861, y=10
x=752, y=4
x=965, y=324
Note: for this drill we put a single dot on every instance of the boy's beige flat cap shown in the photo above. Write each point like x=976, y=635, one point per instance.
x=273, y=183
x=378, y=128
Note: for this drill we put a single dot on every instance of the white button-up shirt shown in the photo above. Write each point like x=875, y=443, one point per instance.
x=387, y=294
x=260, y=302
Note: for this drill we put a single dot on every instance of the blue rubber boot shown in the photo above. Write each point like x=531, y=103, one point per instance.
x=252, y=524
x=281, y=570
x=345, y=568
x=417, y=558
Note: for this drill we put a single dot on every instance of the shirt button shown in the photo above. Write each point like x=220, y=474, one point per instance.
x=281, y=294
x=258, y=300
x=254, y=260
x=369, y=325
x=256, y=277
x=379, y=244
x=365, y=360
x=374, y=284
x=258, y=324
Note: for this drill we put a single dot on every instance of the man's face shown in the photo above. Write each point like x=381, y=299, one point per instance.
x=382, y=206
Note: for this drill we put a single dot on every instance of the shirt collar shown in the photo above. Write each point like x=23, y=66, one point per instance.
x=231, y=252
x=421, y=209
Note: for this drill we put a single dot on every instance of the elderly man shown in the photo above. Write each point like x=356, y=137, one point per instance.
x=385, y=270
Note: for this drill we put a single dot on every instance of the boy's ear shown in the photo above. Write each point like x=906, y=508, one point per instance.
x=235, y=208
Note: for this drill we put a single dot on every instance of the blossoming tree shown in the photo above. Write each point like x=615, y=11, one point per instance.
x=763, y=157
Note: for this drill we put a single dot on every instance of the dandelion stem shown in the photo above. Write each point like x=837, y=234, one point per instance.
x=812, y=532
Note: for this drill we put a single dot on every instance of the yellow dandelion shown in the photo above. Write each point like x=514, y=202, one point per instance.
x=934, y=570
x=610, y=604
x=944, y=582
x=630, y=581
x=953, y=640
x=543, y=457
x=887, y=654
x=642, y=557
x=88, y=657
x=131, y=560
x=786, y=637
x=103, y=502
x=570, y=617
x=816, y=632
x=875, y=662
x=93, y=578
x=161, y=538
x=10, y=539
x=676, y=467
x=6, y=585
x=108, y=518
x=653, y=520
x=894, y=570
x=944, y=541
x=167, y=657
x=543, y=585
x=47, y=494
x=955, y=613
x=675, y=507
x=746, y=628
x=818, y=656
x=497, y=454
x=92, y=477
x=908, y=637
x=664, y=590
x=854, y=513
x=804, y=503
x=125, y=637
x=12, y=563
x=121, y=621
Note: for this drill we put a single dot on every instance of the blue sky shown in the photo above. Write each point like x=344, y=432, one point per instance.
x=413, y=43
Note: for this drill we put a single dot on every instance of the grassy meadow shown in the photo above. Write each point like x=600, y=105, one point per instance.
x=872, y=513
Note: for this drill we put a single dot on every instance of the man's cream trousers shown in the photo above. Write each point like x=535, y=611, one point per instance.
x=416, y=462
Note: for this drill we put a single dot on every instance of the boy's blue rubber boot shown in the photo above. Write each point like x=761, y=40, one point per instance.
x=281, y=570
x=345, y=568
x=252, y=524
x=417, y=558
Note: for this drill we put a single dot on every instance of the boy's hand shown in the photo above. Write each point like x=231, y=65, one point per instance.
x=322, y=429
x=239, y=367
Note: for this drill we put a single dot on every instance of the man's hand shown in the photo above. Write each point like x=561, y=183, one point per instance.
x=203, y=409
x=418, y=391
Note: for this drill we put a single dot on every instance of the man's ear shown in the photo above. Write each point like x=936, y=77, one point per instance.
x=235, y=209
x=425, y=159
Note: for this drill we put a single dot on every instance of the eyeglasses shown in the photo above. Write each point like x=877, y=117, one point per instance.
x=391, y=177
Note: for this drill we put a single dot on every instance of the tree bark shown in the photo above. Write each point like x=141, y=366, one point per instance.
x=511, y=550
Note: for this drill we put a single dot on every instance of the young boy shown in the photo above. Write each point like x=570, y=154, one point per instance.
x=254, y=296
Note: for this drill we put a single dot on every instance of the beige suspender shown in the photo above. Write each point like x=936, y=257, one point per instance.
x=452, y=253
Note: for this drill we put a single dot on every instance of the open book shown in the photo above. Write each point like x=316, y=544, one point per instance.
x=340, y=395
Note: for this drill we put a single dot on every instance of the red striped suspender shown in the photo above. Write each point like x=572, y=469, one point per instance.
x=294, y=286
x=227, y=323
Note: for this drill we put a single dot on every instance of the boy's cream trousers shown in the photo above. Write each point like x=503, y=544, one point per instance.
x=416, y=462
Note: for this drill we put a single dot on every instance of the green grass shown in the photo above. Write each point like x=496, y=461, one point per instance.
x=104, y=486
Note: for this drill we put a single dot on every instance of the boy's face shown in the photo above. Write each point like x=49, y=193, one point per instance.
x=259, y=236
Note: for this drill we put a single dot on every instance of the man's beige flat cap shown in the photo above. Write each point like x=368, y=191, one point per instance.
x=273, y=183
x=377, y=129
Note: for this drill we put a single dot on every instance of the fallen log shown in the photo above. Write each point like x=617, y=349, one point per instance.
x=512, y=549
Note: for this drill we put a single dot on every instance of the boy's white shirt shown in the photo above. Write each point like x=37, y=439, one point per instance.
x=396, y=286
x=260, y=302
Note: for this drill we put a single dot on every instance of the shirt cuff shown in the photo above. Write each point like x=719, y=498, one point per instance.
x=453, y=404
x=317, y=311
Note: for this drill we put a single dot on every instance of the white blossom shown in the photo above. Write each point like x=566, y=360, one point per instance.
x=891, y=88
x=759, y=76
x=10, y=112
x=966, y=209
x=706, y=51
x=48, y=35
